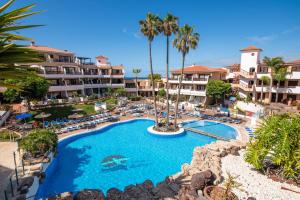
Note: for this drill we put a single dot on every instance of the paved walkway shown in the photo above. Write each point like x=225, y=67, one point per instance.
x=6, y=163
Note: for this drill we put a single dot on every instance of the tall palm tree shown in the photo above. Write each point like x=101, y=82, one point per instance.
x=136, y=72
x=278, y=72
x=11, y=53
x=150, y=28
x=265, y=80
x=169, y=26
x=185, y=40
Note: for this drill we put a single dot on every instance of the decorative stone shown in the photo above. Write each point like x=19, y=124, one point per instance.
x=201, y=180
x=186, y=193
x=89, y=194
x=114, y=194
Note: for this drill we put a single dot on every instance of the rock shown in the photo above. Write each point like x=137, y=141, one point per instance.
x=186, y=193
x=66, y=196
x=114, y=194
x=201, y=180
x=235, y=150
x=164, y=190
x=89, y=194
x=223, y=154
x=251, y=198
x=135, y=192
x=148, y=185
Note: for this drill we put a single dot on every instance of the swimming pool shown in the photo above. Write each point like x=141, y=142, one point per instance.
x=119, y=155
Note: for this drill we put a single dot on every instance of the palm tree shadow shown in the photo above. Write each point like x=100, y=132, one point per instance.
x=64, y=169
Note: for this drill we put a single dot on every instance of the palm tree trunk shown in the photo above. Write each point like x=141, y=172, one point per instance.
x=137, y=87
x=167, y=82
x=276, y=100
x=261, y=92
x=270, y=90
x=152, y=82
x=179, y=88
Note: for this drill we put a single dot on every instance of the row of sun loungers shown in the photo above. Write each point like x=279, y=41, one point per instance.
x=65, y=121
x=214, y=118
x=250, y=132
x=88, y=125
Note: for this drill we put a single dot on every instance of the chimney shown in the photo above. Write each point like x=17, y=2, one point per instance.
x=32, y=43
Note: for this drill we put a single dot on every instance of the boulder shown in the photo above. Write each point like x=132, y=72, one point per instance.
x=187, y=193
x=114, y=194
x=135, y=192
x=62, y=196
x=235, y=151
x=148, y=185
x=89, y=194
x=200, y=180
x=163, y=190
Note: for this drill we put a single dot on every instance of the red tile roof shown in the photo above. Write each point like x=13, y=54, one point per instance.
x=294, y=62
x=48, y=49
x=198, y=68
x=101, y=57
x=251, y=48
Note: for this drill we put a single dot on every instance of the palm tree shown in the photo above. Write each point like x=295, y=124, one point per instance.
x=278, y=71
x=11, y=53
x=185, y=40
x=150, y=28
x=265, y=80
x=169, y=26
x=136, y=72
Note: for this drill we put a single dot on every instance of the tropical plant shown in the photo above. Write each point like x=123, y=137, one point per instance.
x=161, y=93
x=278, y=71
x=277, y=141
x=217, y=89
x=10, y=52
x=136, y=72
x=156, y=77
x=185, y=40
x=11, y=95
x=265, y=80
x=169, y=26
x=150, y=29
x=39, y=141
x=31, y=88
x=120, y=92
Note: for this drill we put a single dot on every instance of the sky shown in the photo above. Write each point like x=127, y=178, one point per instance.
x=110, y=27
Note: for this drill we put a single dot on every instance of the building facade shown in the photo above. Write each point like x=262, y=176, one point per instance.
x=195, y=79
x=70, y=75
x=252, y=69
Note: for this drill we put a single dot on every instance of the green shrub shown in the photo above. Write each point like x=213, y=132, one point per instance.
x=135, y=98
x=277, y=140
x=111, y=101
x=39, y=141
x=6, y=135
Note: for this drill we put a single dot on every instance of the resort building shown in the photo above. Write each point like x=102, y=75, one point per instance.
x=70, y=75
x=251, y=71
x=142, y=86
x=195, y=79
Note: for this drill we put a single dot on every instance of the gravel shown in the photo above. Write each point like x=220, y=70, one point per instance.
x=255, y=184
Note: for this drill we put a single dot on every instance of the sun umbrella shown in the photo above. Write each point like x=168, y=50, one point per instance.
x=42, y=115
x=23, y=116
x=75, y=116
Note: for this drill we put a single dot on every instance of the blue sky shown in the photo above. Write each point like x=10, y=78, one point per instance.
x=110, y=28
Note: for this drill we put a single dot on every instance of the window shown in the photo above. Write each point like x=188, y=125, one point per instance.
x=292, y=83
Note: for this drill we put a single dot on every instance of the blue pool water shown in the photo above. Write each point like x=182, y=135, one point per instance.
x=121, y=154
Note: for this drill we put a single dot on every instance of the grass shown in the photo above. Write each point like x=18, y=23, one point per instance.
x=61, y=112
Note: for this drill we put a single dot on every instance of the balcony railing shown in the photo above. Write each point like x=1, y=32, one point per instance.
x=54, y=72
x=73, y=73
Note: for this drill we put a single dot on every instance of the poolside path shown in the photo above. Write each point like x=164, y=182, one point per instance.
x=6, y=163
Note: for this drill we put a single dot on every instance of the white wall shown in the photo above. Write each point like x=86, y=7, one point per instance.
x=249, y=60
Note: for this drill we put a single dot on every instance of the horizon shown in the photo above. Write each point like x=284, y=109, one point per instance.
x=86, y=31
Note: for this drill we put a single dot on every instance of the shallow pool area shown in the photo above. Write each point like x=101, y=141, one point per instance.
x=121, y=154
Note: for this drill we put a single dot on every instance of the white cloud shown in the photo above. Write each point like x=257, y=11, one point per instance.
x=137, y=35
x=262, y=39
x=291, y=30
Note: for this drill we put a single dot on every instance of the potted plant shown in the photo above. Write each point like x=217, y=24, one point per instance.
x=223, y=193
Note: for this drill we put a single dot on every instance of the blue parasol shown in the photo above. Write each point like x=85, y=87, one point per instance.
x=23, y=116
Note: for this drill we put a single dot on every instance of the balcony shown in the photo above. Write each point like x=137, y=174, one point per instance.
x=65, y=88
x=188, y=92
x=190, y=80
x=288, y=90
x=246, y=87
x=246, y=74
